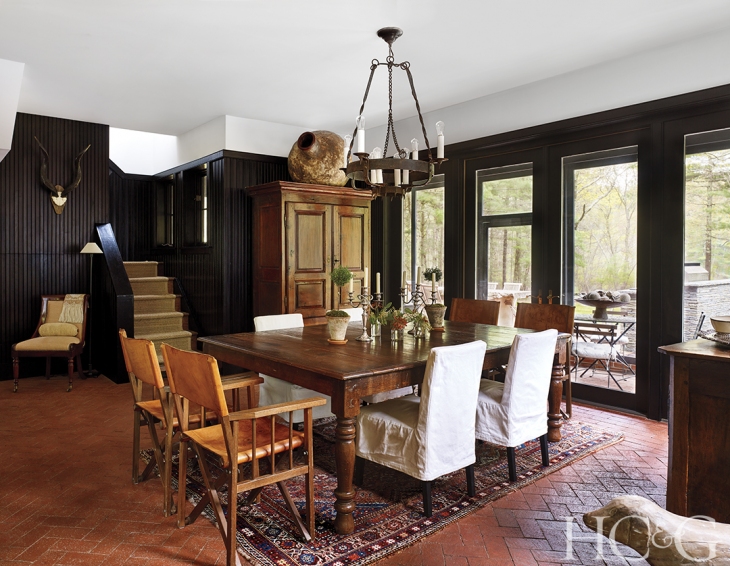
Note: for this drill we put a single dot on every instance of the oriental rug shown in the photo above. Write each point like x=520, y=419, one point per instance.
x=389, y=512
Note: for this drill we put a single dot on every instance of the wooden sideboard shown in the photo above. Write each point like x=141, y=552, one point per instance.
x=698, y=481
x=300, y=233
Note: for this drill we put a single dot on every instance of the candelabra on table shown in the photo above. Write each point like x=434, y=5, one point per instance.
x=366, y=302
x=417, y=296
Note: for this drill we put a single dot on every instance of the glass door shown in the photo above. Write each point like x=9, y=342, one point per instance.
x=706, y=290
x=600, y=268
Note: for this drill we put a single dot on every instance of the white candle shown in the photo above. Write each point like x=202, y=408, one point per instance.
x=377, y=282
x=439, y=140
x=406, y=177
x=348, y=139
x=376, y=175
x=414, y=149
x=433, y=282
x=396, y=177
x=418, y=275
x=403, y=280
x=360, y=134
x=352, y=280
x=365, y=279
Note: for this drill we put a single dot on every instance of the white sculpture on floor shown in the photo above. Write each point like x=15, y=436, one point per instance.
x=661, y=537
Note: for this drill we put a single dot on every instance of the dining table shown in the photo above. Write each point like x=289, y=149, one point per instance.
x=348, y=372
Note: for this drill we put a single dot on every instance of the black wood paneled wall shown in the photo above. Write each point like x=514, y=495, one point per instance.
x=39, y=250
x=217, y=276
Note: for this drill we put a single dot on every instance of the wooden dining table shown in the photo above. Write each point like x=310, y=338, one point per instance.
x=351, y=371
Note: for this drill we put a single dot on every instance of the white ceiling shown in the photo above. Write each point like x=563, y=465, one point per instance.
x=168, y=66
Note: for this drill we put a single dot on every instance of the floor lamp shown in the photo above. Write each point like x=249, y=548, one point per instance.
x=92, y=249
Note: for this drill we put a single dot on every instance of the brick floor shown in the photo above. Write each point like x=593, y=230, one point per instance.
x=67, y=495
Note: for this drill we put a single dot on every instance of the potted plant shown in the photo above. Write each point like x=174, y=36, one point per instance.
x=340, y=276
x=337, y=322
x=430, y=272
x=378, y=317
x=435, y=315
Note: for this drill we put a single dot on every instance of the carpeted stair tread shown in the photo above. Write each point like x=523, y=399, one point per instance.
x=159, y=315
x=158, y=337
x=149, y=279
x=141, y=268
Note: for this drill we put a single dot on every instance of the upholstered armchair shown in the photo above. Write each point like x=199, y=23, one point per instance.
x=60, y=333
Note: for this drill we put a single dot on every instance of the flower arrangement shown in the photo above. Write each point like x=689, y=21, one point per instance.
x=397, y=320
x=380, y=314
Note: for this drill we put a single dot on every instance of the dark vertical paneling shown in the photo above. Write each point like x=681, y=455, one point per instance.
x=39, y=250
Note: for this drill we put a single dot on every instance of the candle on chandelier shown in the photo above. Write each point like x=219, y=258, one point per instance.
x=439, y=140
x=348, y=139
x=414, y=149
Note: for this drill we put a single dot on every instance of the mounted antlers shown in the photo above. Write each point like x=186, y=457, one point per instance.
x=59, y=195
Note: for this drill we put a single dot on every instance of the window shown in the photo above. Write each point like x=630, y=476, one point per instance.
x=504, y=231
x=166, y=212
x=195, y=183
x=423, y=229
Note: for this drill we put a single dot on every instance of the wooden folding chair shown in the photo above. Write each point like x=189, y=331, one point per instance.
x=143, y=368
x=242, y=437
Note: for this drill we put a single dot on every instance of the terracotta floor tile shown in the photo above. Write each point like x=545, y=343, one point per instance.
x=85, y=510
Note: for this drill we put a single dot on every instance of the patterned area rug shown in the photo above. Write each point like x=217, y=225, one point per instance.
x=388, y=516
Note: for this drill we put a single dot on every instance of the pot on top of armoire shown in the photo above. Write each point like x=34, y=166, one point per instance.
x=301, y=232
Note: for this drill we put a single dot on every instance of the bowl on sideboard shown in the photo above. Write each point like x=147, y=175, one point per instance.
x=721, y=324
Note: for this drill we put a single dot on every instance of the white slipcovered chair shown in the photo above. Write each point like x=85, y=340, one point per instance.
x=513, y=412
x=431, y=435
x=274, y=390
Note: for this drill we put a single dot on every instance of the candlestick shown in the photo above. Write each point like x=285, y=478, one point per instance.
x=433, y=282
x=439, y=140
x=360, y=134
x=377, y=283
x=365, y=279
x=351, y=284
x=403, y=280
x=418, y=275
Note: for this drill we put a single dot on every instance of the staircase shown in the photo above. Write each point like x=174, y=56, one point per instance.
x=157, y=314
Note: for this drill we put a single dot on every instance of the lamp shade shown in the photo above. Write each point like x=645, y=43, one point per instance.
x=91, y=248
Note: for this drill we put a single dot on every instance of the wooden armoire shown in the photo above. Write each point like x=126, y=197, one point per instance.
x=300, y=233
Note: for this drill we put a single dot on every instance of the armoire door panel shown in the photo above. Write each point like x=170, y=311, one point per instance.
x=309, y=253
x=351, y=245
x=311, y=295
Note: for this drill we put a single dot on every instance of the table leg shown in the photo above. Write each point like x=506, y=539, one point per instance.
x=555, y=419
x=345, y=461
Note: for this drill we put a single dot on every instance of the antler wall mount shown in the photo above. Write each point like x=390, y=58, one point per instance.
x=59, y=195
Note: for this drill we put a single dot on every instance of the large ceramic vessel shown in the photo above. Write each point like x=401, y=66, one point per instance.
x=317, y=157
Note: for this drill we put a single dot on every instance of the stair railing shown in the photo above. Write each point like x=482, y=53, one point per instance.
x=113, y=306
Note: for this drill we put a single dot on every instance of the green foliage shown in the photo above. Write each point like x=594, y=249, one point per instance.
x=380, y=314
x=337, y=314
x=430, y=271
x=340, y=275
